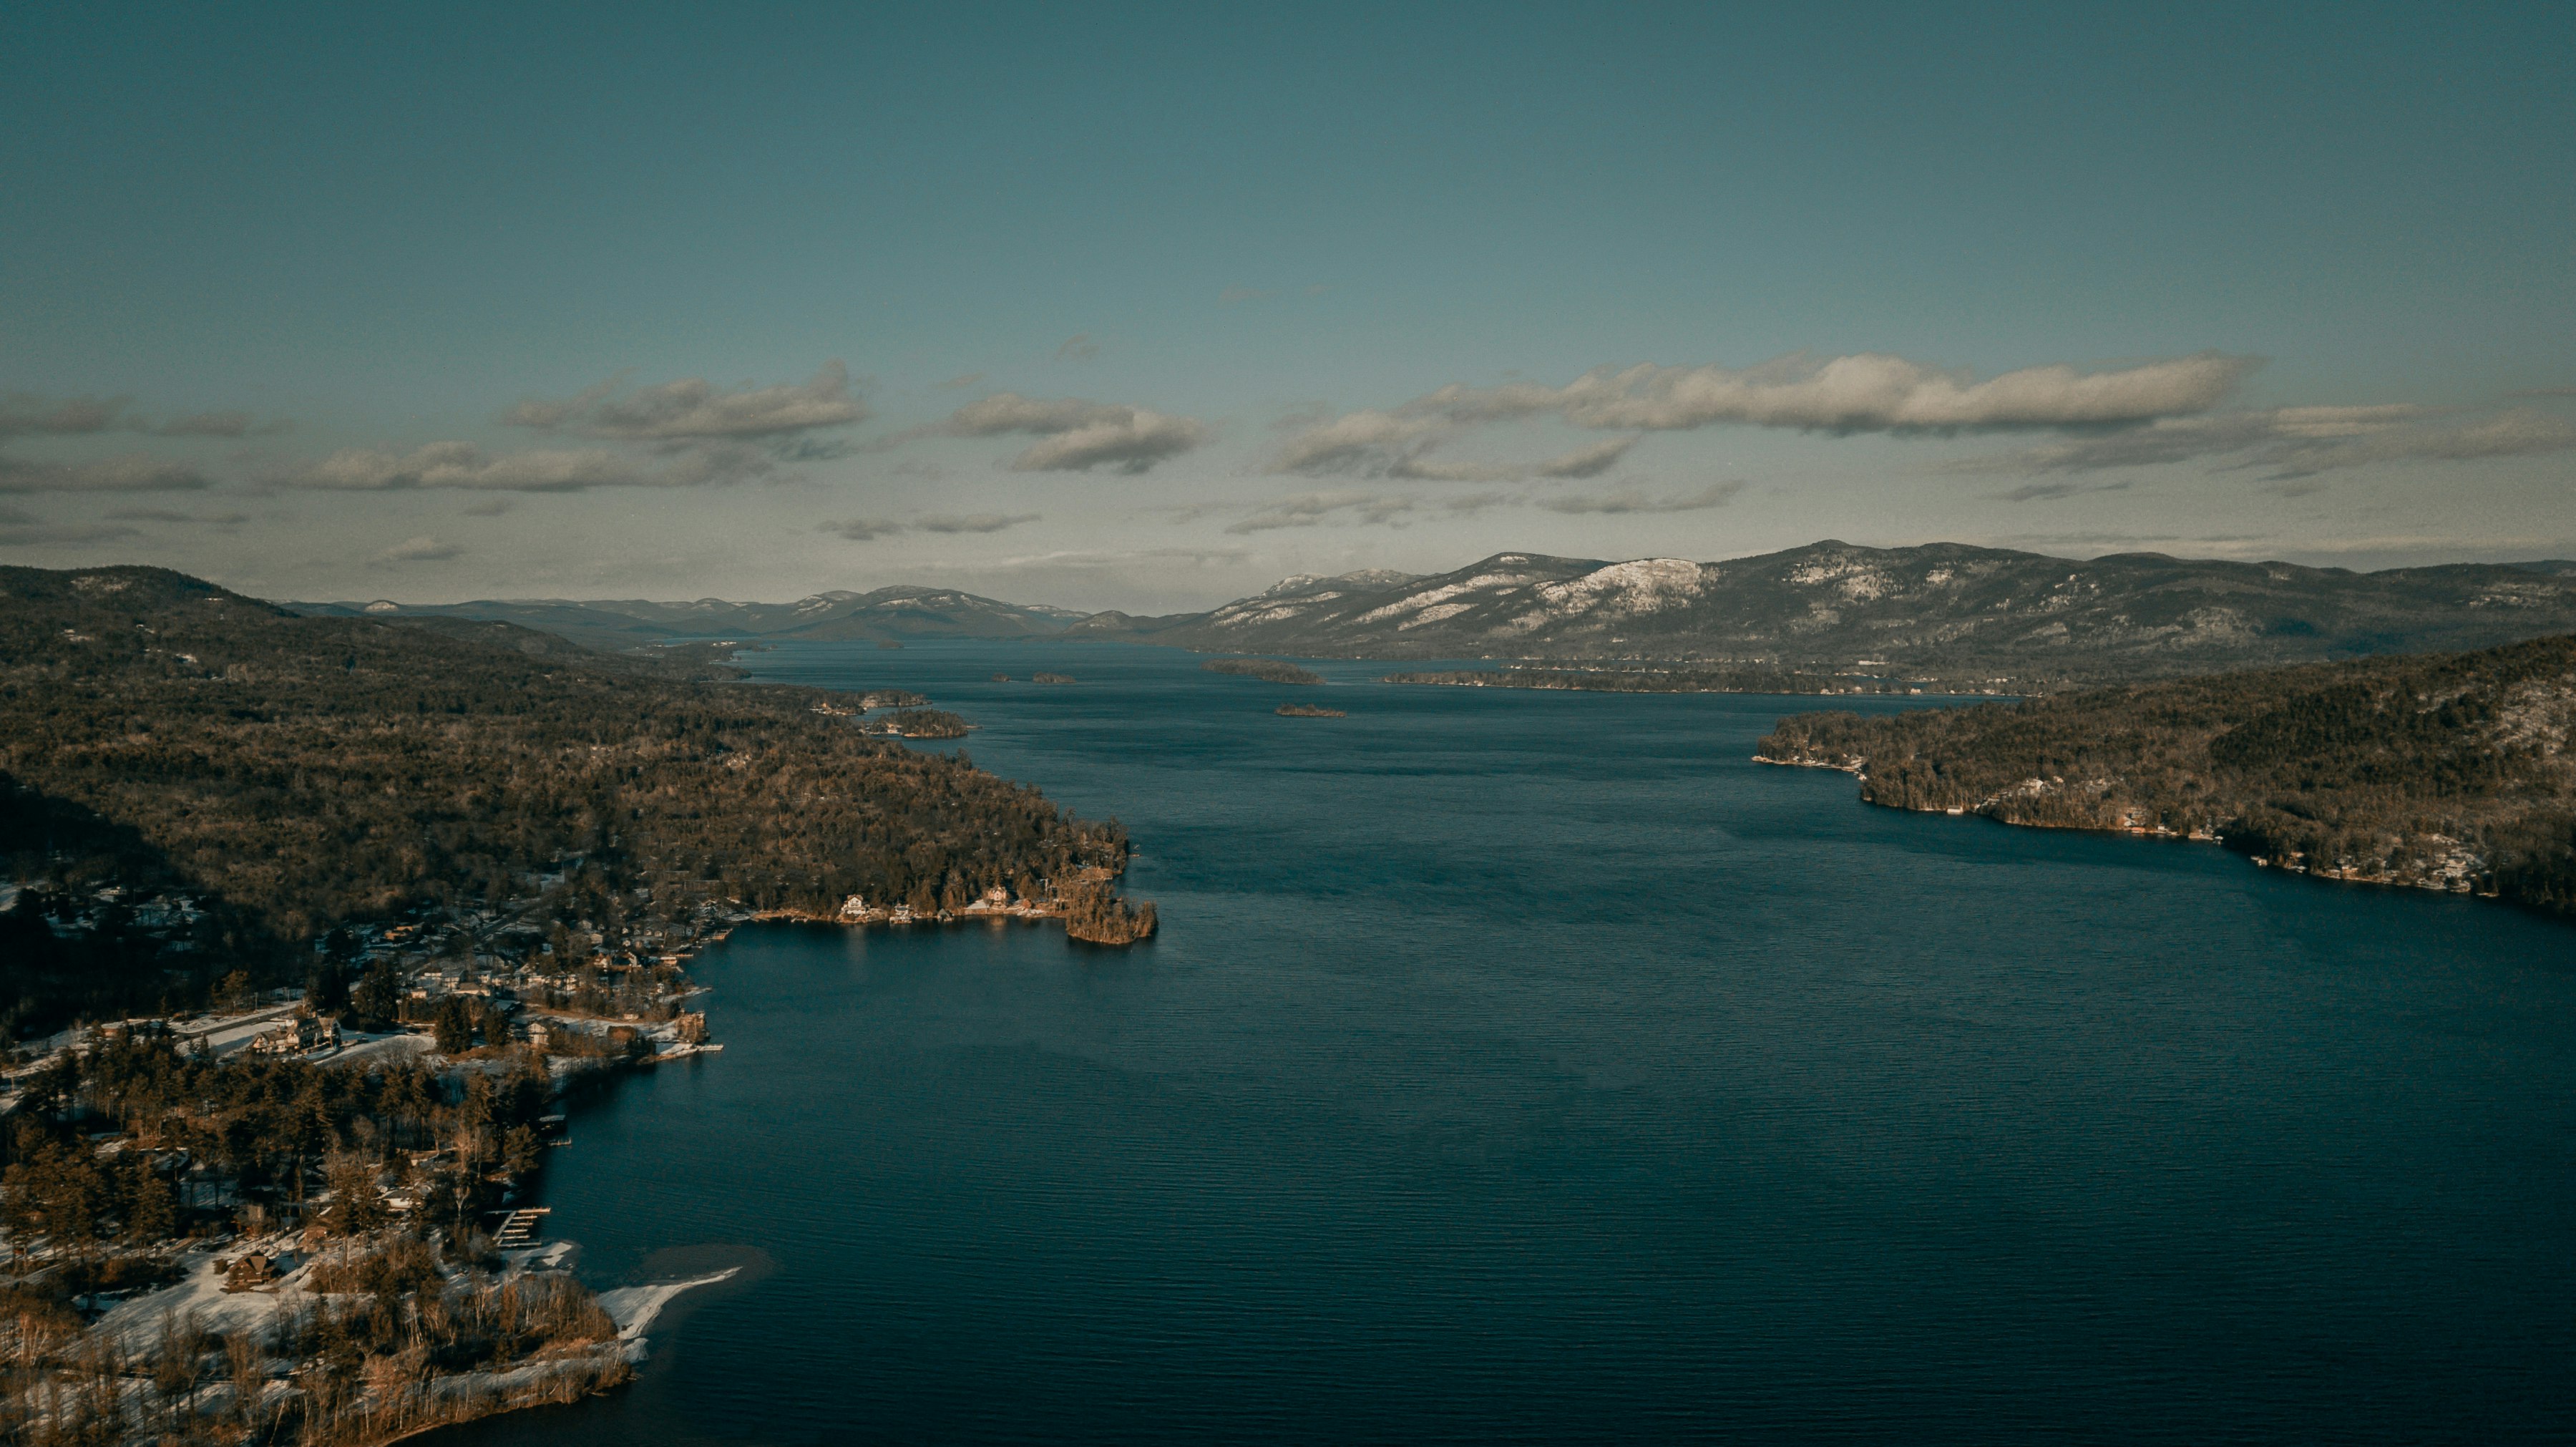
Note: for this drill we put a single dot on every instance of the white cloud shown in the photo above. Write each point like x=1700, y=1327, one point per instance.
x=861, y=530
x=23, y=414
x=1866, y=392
x=464, y=465
x=1872, y=392
x=693, y=409
x=981, y=522
x=1582, y=462
x=1634, y=499
x=2520, y=432
x=1075, y=435
x=1367, y=442
x=1118, y=563
x=2290, y=443
x=1077, y=348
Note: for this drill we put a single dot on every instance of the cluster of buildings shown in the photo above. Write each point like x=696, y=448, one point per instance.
x=994, y=903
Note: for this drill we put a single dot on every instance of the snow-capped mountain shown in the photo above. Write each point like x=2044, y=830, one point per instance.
x=1943, y=606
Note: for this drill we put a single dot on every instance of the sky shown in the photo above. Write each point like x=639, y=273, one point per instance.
x=1147, y=307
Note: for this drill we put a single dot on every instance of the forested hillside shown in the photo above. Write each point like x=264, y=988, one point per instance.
x=1965, y=617
x=303, y=772
x=2446, y=771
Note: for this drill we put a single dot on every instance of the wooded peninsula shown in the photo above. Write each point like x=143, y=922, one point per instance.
x=2440, y=771
x=301, y=773
x=308, y=921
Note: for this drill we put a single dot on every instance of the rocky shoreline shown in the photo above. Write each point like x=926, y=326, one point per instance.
x=2450, y=870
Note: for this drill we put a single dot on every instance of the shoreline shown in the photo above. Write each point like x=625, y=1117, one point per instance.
x=1117, y=928
x=2293, y=864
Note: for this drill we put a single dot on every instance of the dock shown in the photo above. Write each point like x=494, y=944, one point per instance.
x=519, y=1227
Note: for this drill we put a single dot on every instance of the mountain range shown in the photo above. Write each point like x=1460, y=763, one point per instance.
x=1940, y=610
x=884, y=615
x=1945, y=611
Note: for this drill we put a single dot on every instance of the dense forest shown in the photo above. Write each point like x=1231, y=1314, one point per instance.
x=2443, y=770
x=298, y=773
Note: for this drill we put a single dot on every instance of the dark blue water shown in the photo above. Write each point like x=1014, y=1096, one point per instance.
x=1533, y=1067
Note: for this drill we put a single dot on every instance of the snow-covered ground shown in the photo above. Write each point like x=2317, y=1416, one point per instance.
x=136, y=1324
x=633, y=1308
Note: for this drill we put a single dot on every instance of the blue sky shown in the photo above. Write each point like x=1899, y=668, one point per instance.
x=342, y=240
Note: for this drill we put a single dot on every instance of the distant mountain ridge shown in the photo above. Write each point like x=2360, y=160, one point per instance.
x=1941, y=609
x=1946, y=611
x=883, y=615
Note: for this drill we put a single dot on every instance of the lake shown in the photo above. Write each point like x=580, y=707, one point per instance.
x=1521, y=1066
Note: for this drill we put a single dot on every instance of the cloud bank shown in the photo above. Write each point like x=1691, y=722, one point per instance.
x=24, y=414
x=693, y=410
x=1866, y=392
x=860, y=530
x=2290, y=443
x=465, y=465
x=1075, y=435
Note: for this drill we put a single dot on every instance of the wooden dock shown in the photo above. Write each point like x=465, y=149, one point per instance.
x=519, y=1227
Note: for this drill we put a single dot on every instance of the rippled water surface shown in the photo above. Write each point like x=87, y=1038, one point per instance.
x=1533, y=1067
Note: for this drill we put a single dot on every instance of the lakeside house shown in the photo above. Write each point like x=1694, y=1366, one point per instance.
x=298, y=1033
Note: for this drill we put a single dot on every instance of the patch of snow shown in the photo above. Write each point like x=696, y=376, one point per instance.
x=1266, y=615
x=1642, y=586
x=634, y=1307
x=1432, y=597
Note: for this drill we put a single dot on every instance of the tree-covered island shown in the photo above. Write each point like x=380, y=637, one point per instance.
x=1268, y=670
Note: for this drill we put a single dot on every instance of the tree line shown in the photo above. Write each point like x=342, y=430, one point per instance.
x=313, y=771
x=2397, y=768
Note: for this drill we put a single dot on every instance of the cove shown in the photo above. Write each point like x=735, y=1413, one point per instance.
x=1534, y=1067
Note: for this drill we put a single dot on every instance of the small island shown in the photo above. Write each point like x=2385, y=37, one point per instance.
x=1308, y=710
x=1001, y=678
x=1052, y=678
x=1268, y=670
